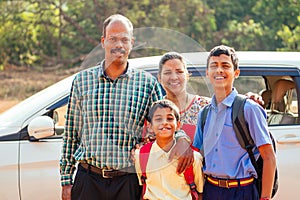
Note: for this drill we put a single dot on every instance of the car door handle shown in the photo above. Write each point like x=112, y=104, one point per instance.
x=290, y=138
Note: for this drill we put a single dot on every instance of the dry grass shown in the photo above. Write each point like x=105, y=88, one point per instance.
x=18, y=83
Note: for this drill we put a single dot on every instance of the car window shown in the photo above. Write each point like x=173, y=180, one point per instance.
x=285, y=114
x=60, y=119
x=245, y=84
x=199, y=85
x=294, y=104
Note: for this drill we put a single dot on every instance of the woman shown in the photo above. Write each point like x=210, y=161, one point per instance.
x=173, y=76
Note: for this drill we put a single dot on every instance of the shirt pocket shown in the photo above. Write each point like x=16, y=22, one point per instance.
x=229, y=138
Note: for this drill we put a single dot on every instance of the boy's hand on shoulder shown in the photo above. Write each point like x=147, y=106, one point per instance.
x=183, y=152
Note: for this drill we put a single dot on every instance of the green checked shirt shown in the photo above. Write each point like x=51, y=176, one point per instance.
x=105, y=118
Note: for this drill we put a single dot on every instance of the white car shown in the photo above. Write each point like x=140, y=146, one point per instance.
x=29, y=166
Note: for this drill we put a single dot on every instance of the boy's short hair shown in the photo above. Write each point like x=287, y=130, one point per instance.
x=222, y=49
x=163, y=104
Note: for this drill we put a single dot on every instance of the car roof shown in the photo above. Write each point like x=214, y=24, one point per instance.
x=246, y=58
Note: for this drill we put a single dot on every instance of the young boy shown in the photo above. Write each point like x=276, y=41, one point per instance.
x=228, y=170
x=162, y=180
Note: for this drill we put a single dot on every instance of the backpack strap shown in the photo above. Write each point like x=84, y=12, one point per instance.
x=240, y=126
x=241, y=130
x=189, y=178
x=204, y=114
x=144, y=156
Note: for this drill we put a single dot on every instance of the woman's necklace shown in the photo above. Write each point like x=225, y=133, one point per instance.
x=181, y=107
x=185, y=105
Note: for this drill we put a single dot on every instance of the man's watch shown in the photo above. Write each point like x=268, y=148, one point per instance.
x=181, y=134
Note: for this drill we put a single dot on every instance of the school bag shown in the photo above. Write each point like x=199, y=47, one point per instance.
x=242, y=132
x=188, y=173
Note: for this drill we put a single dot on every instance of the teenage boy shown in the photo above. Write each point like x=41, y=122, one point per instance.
x=228, y=170
x=162, y=181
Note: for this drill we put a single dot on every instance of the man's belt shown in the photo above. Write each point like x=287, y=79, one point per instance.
x=230, y=183
x=107, y=173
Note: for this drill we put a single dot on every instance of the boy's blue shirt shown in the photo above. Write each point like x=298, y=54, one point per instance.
x=224, y=156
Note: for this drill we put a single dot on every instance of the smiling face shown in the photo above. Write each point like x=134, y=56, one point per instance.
x=117, y=42
x=221, y=73
x=173, y=76
x=164, y=123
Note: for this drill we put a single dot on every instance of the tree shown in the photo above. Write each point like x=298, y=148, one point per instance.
x=290, y=37
x=61, y=33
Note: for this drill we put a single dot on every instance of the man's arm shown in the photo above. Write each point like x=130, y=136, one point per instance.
x=70, y=142
x=267, y=153
x=182, y=151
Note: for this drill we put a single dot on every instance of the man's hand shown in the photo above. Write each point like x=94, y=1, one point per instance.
x=66, y=192
x=132, y=152
x=255, y=97
x=183, y=152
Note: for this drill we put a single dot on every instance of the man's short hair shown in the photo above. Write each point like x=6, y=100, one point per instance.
x=113, y=18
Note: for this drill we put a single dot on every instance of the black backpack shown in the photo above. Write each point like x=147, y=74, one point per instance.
x=243, y=135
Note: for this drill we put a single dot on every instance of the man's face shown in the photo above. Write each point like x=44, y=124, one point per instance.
x=117, y=42
x=221, y=72
x=164, y=123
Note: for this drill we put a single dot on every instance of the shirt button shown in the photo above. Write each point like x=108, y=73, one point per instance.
x=214, y=165
x=217, y=134
x=216, y=150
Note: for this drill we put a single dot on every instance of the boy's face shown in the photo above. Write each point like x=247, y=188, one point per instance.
x=164, y=123
x=221, y=72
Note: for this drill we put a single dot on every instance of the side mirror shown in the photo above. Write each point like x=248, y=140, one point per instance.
x=41, y=127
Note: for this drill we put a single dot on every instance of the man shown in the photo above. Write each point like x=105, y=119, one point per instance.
x=228, y=169
x=105, y=117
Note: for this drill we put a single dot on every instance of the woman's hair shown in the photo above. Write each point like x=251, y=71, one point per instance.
x=170, y=56
x=222, y=49
x=163, y=104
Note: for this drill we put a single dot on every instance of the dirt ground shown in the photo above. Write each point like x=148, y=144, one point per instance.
x=6, y=104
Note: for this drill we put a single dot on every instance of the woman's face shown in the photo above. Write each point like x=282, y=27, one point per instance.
x=173, y=77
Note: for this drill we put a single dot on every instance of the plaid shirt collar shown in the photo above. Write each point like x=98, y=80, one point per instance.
x=127, y=72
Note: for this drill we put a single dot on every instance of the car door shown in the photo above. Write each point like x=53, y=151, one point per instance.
x=39, y=169
x=39, y=160
x=286, y=134
x=9, y=169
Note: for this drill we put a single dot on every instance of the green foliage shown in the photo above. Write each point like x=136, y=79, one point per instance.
x=290, y=37
x=53, y=33
x=244, y=35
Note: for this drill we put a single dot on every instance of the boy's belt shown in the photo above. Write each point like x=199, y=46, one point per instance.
x=230, y=183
